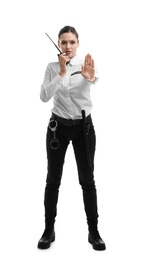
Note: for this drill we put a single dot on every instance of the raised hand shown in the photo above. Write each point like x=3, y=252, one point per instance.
x=88, y=68
x=63, y=59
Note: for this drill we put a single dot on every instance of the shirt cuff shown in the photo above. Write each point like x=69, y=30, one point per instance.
x=94, y=81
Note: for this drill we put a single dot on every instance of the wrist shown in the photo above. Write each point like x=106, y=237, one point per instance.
x=92, y=79
x=62, y=74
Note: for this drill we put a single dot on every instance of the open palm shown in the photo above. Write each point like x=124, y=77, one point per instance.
x=88, y=68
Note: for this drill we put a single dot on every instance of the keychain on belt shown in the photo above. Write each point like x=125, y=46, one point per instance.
x=54, y=143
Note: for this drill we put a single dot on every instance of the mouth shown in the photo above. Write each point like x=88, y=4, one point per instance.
x=68, y=52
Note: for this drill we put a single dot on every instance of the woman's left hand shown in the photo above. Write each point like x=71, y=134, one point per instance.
x=88, y=68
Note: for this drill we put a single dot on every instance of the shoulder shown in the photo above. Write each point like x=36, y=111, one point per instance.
x=52, y=66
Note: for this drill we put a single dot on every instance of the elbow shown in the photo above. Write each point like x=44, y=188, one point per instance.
x=43, y=98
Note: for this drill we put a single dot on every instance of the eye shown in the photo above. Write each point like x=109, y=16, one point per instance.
x=72, y=42
x=63, y=42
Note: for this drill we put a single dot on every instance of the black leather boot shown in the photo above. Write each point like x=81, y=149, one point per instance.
x=91, y=209
x=96, y=241
x=46, y=239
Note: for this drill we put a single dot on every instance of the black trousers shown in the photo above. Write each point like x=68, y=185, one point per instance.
x=55, y=162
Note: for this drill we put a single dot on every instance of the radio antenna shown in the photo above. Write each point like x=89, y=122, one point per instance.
x=54, y=43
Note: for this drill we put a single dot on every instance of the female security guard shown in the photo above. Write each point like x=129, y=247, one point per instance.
x=68, y=81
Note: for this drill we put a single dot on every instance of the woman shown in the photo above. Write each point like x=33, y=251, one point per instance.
x=69, y=81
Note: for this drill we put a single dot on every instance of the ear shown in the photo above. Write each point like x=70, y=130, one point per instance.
x=78, y=43
x=59, y=45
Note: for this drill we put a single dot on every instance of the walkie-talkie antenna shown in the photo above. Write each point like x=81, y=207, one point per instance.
x=54, y=43
x=57, y=48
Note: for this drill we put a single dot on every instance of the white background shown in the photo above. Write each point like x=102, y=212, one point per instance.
x=111, y=32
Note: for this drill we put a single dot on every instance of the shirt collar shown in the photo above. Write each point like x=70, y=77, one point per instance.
x=75, y=60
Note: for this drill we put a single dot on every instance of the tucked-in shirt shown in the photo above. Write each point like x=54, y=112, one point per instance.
x=70, y=93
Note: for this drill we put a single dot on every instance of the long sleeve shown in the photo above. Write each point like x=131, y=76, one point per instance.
x=51, y=83
x=71, y=94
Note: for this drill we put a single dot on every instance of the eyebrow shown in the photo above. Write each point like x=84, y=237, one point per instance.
x=67, y=40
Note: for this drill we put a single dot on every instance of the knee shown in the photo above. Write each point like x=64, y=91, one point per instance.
x=88, y=186
x=51, y=185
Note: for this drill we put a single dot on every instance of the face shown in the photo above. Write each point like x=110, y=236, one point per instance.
x=68, y=43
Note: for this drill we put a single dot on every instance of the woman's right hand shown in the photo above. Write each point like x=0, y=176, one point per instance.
x=63, y=59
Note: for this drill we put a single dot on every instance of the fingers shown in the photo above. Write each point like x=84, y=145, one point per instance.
x=89, y=60
x=93, y=64
x=63, y=58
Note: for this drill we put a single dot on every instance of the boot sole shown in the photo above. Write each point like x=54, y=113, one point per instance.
x=46, y=246
x=98, y=248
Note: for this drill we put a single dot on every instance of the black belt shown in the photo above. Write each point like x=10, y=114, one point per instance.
x=69, y=122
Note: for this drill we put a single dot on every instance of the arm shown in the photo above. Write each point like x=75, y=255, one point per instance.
x=96, y=77
x=89, y=71
x=49, y=86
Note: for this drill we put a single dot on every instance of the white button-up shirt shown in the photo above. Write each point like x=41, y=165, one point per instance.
x=71, y=93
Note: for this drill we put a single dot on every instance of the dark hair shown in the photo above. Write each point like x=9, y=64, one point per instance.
x=67, y=29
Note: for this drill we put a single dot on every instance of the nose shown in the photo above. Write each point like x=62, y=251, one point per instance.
x=68, y=45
